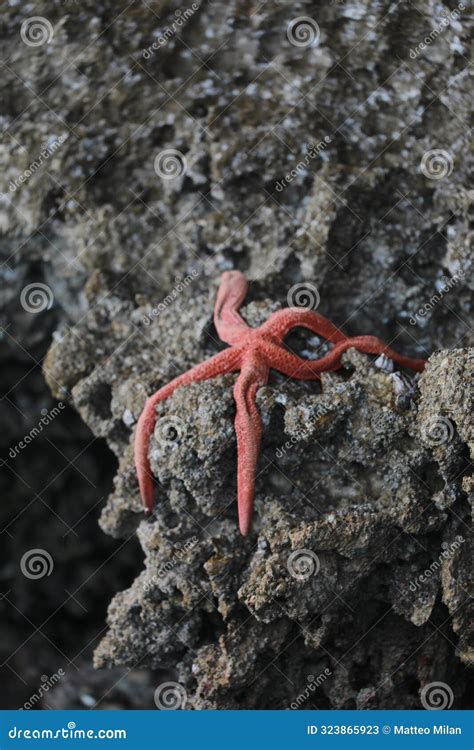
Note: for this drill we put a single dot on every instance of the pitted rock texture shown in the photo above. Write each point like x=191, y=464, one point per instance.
x=357, y=498
x=354, y=471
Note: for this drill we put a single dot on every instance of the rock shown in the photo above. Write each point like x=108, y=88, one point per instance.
x=341, y=165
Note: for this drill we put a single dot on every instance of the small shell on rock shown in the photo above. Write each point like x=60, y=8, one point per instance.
x=384, y=363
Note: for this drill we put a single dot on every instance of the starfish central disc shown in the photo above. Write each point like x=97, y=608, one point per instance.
x=253, y=352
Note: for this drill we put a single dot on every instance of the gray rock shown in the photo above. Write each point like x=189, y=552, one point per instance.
x=355, y=494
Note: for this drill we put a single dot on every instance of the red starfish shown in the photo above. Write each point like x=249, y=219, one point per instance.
x=253, y=351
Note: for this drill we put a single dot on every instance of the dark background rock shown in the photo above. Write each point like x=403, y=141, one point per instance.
x=368, y=473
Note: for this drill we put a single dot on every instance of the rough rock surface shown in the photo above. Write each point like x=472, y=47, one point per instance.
x=364, y=480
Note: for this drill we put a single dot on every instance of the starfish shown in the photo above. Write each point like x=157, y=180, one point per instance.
x=253, y=351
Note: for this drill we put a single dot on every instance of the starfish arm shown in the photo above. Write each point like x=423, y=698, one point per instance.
x=306, y=369
x=368, y=345
x=226, y=361
x=248, y=429
x=374, y=345
x=229, y=324
x=280, y=324
x=291, y=365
